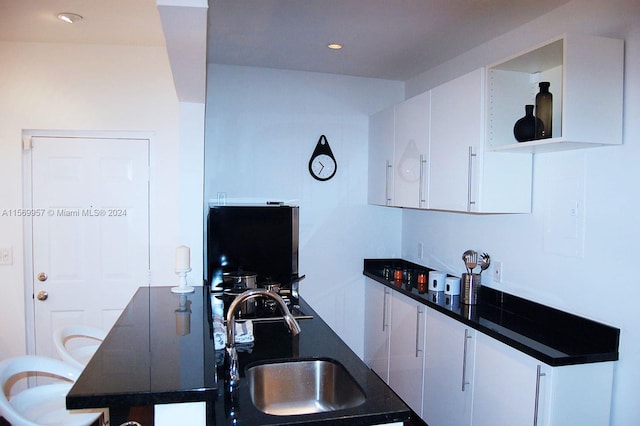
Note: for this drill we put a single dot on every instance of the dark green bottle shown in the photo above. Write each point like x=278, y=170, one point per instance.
x=544, y=111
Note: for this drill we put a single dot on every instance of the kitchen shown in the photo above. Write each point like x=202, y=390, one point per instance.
x=339, y=107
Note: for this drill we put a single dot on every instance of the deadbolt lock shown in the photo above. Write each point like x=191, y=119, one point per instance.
x=42, y=276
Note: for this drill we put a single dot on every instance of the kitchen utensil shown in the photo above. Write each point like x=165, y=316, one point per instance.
x=485, y=261
x=465, y=258
x=470, y=258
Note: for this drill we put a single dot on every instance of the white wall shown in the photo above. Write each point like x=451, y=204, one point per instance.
x=261, y=128
x=600, y=284
x=90, y=88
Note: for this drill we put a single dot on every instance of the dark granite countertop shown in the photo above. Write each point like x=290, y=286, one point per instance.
x=160, y=350
x=550, y=335
x=147, y=359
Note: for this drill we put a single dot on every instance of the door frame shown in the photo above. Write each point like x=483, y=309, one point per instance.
x=27, y=228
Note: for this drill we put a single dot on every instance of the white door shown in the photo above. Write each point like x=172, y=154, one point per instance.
x=90, y=246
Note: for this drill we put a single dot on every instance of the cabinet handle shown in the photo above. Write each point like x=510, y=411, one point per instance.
x=421, y=199
x=467, y=336
x=539, y=374
x=469, y=178
x=386, y=185
x=418, y=314
x=384, y=310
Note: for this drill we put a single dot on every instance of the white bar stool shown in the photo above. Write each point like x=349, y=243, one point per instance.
x=41, y=404
x=76, y=344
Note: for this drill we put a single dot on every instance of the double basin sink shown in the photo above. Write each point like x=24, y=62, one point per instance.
x=302, y=386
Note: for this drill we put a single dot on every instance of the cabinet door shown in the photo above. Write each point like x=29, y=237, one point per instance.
x=456, y=136
x=411, y=152
x=376, y=328
x=509, y=386
x=381, y=140
x=448, y=371
x=407, y=350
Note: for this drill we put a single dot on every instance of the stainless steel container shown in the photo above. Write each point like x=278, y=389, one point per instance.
x=470, y=284
x=240, y=282
x=240, y=279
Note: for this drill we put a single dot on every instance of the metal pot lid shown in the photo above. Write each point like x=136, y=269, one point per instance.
x=233, y=291
x=239, y=274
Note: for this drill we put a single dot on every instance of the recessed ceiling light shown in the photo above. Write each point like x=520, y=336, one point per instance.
x=69, y=18
x=334, y=46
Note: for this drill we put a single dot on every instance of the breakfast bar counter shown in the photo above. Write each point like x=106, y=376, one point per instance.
x=161, y=351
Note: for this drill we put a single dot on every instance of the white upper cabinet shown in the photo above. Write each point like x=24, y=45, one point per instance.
x=410, y=165
x=398, y=154
x=586, y=76
x=381, y=137
x=451, y=148
x=463, y=177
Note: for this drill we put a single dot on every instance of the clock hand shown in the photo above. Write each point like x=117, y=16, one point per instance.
x=321, y=168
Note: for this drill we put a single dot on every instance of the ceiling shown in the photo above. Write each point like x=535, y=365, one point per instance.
x=389, y=39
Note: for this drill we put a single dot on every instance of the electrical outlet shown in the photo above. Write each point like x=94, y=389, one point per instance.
x=420, y=251
x=6, y=256
x=497, y=271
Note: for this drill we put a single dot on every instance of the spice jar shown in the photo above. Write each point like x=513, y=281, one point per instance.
x=422, y=282
x=397, y=277
x=386, y=272
x=410, y=279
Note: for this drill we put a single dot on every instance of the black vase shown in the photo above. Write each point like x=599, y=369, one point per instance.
x=525, y=128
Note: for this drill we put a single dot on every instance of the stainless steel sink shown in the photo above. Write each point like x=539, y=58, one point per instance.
x=303, y=387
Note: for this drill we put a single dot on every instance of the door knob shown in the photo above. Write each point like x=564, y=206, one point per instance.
x=42, y=295
x=42, y=276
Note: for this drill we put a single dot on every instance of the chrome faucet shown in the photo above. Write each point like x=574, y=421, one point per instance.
x=294, y=328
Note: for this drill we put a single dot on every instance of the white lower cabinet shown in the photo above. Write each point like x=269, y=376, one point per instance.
x=512, y=388
x=376, y=328
x=509, y=386
x=453, y=375
x=394, y=341
x=448, y=371
x=406, y=350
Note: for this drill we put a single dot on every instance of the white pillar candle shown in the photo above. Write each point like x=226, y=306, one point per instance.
x=183, y=258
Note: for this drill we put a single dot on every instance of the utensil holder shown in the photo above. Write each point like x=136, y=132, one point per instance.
x=470, y=288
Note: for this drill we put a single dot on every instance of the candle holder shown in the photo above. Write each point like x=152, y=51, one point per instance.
x=183, y=287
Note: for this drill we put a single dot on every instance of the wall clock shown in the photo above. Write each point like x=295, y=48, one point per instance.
x=322, y=165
